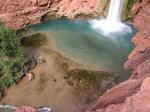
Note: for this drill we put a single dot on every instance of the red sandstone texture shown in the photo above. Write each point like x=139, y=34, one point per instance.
x=26, y=109
x=133, y=95
x=138, y=60
x=137, y=102
x=19, y=13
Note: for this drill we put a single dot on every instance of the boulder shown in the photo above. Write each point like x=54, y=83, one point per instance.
x=26, y=109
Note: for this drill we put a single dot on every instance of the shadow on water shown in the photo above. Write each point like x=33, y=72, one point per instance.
x=34, y=40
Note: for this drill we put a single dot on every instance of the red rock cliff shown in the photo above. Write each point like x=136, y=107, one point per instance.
x=19, y=13
x=133, y=95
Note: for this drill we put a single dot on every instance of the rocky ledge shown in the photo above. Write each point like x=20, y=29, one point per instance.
x=133, y=95
x=129, y=96
x=19, y=13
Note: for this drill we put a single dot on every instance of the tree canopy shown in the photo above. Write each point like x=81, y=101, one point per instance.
x=11, y=57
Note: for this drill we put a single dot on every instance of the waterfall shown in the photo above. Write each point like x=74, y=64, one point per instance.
x=114, y=13
x=112, y=23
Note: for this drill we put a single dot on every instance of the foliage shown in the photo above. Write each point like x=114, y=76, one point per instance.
x=11, y=57
x=126, y=13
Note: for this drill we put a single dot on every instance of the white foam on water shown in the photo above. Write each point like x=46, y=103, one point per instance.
x=112, y=23
x=45, y=109
x=7, y=107
x=108, y=27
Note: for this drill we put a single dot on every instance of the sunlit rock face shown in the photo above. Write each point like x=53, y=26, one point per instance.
x=141, y=53
x=19, y=13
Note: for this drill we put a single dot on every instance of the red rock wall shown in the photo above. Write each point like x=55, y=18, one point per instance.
x=138, y=60
x=133, y=95
x=137, y=102
x=19, y=13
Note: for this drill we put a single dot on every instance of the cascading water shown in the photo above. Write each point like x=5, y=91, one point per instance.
x=114, y=13
x=113, y=21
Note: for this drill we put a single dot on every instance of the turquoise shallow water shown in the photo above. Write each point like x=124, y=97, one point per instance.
x=80, y=42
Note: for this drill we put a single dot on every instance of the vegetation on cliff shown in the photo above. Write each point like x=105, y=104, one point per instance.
x=11, y=57
x=127, y=13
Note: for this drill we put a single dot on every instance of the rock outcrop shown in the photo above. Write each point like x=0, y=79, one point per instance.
x=139, y=58
x=137, y=102
x=133, y=95
x=26, y=109
x=19, y=13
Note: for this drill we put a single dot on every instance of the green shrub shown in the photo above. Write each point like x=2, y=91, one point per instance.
x=126, y=13
x=11, y=57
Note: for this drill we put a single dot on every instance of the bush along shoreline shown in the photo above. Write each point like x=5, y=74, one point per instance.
x=11, y=58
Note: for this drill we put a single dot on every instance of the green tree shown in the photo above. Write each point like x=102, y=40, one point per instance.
x=11, y=57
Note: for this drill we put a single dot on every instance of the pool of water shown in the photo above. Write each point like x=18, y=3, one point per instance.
x=80, y=42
